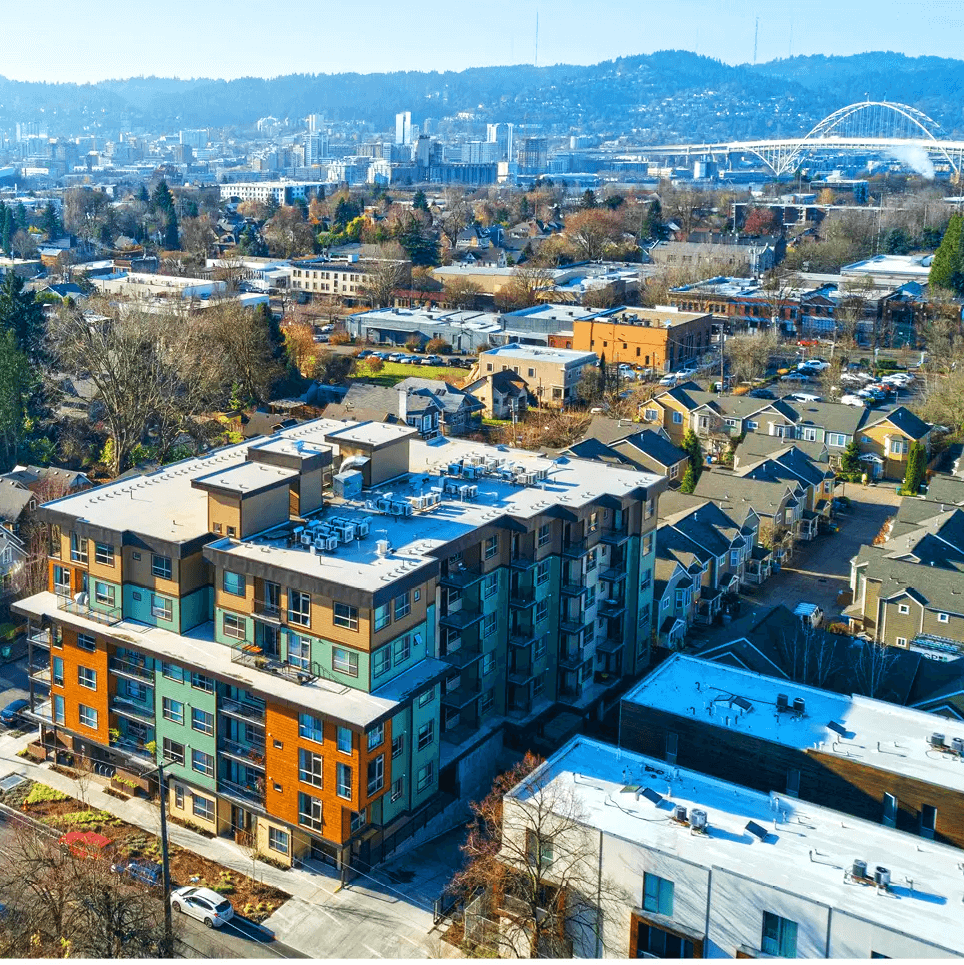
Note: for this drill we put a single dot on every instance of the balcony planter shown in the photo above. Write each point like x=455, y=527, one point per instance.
x=37, y=751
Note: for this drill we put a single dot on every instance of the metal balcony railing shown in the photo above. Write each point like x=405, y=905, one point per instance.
x=133, y=669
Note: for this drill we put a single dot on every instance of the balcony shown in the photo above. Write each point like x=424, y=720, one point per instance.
x=462, y=656
x=573, y=589
x=522, y=597
x=251, y=755
x=132, y=710
x=41, y=675
x=251, y=655
x=573, y=624
x=132, y=669
x=522, y=561
x=107, y=616
x=612, y=608
x=609, y=644
x=460, y=619
x=132, y=746
x=521, y=675
x=41, y=712
x=245, y=794
x=267, y=612
x=614, y=574
x=461, y=578
x=575, y=549
x=242, y=710
x=522, y=636
x=614, y=537
x=38, y=637
x=460, y=697
x=574, y=657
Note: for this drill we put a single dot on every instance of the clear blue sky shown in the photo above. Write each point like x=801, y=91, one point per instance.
x=69, y=40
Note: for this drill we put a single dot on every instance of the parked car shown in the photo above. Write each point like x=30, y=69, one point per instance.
x=763, y=394
x=12, y=714
x=809, y=613
x=804, y=397
x=203, y=904
x=816, y=364
x=851, y=400
x=146, y=872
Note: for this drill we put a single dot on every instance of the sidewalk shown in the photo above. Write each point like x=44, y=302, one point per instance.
x=384, y=915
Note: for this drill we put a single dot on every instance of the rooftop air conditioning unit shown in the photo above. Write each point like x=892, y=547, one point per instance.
x=783, y=703
x=936, y=740
x=882, y=877
x=859, y=869
x=362, y=528
x=799, y=706
x=698, y=819
x=679, y=813
x=382, y=547
x=957, y=745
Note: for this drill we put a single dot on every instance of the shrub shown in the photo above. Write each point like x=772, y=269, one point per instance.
x=438, y=346
x=340, y=338
x=842, y=629
x=375, y=365
x=413, y=344
x=41, y=794
x=741, y=390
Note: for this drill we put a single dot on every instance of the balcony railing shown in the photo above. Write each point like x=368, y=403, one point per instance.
x=132, y=669
x=575, y=548
x=573, y=624
x=614, y=537
x=573, y=589
x=462, y=656
x=108, y=615
x=41, y=675
x=460, y=697
x=242, y=710
x=130, y=708
x=574, y=657
x=250, y=754
x=612, y=608
x=614, y=574
x=522, y=561
x=41, y=712
x=266, y=610
x=250, y=793
x=459, y=619
x=522, y=636
x=38, y=637
x=461, y=577
x=131, y=745
x=522, y=597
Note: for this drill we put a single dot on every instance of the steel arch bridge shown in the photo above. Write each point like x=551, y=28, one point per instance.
x=870, y=127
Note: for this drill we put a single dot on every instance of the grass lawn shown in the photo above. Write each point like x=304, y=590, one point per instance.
x=393, y=373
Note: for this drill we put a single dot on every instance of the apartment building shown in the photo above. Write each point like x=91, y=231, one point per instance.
x=277, y=192
x=552, y=374
x=317, y=627
x=348, y=280
x=663, y=339
x=666, y=861
x=879, y=762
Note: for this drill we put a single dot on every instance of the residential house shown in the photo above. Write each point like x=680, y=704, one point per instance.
x=13, y=557
x=502, y=394
x=15, y=502
x=551, y=374
x=622, y=442
x=48, y=480
x=364, y=402
x=885, y=440
x=460, y=412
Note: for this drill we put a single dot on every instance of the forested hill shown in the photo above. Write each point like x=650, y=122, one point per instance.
x=670, y=95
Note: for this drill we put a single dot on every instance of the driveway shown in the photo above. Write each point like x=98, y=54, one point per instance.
x=818, y=571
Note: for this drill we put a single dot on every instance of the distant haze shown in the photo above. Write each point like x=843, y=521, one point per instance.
x=65, y=40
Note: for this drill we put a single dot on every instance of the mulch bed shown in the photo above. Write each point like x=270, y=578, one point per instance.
x=251, y=898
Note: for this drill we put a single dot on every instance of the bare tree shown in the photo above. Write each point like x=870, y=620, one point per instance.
x=461, y=293
x=749, y=354
x=524, y=288
x=384, y=276
x=456, y=215
x=244, y=354
x=533, y=871
x=872, y=664
x=809, y=655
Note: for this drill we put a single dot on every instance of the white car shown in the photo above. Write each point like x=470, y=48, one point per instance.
x=203, y=904
x=851, y=400
x=814, y=365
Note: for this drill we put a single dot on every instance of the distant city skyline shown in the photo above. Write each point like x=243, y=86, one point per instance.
x=204, y=38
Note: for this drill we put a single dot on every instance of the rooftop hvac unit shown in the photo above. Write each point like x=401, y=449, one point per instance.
x=348, y=485
x=432, y=499
x=306, y=539
x=362, y=528
x=542, y=474
x=859, y=869
x=452, y=487
x=384, y=504
x=698, y=819
x=475, y=459
x=936, y=740
x=881, y=877
x=468, y=492
x=382, y=547
x=783, y=703
x=799, y=706
x=679, y=813
x=331, y=543
x=527, y=478
x=492, y=462
x=471, y=472
x=454, y=469
x=957, y=745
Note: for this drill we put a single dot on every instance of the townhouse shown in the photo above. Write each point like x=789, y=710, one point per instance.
x=667, y=861
x=552, y=374
x=909, y=590
x=321, y=629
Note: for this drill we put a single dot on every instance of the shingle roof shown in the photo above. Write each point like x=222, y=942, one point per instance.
x=14, y=499
x=763, y=497
x=906, y=421
x=653, y=445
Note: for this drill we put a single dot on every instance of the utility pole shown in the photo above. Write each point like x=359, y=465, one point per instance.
x=756, y=37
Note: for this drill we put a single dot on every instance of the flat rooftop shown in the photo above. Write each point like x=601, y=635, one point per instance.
x=876, y=733
x=927, y=887
x=537, y=353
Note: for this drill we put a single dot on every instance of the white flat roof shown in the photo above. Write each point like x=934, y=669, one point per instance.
x=537, y=353
x=927, y=887
x=879, y=734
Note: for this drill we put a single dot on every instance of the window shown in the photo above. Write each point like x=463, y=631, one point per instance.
x=78, y=549
x=650, y=415
x=311, y=727
x=836, y=439
x=901, y=641
x=487, y=702
x=383, y=616
x=593, y=522
x=426, y=734
x=203, y=807
x=376, y=774
x=658, y=895
x=161, y=608
x=779, y=936
x=540, y=648
x=346, y=616
x=232, y=531
x=233, y=583
x=491, y=547
x=344, y=661
x=424, y=776
x=88, y=716
x=538, y=848
x=591, y=561
x=542, y=573
x=299, y=609
x=928, y=821
x=277, y=840
x=545, y=534
x=309, y=767
x=358, y=820
x=381, y=661
x=343, y=740
x=655, y=942
x=173, y=710
x=903, y=608
x=426, y=697
x=490, y=586
x=650, y=508
x=161, y=566
x=87, y=678
x=678, y=418
x=488, y=663
x=86, y=642
x=233, y=626
x=179, y=796
x=310, y=812
x=403, y=605
x=202, y=721
x=200, y=682
x=751, y=424
x=672, y=744
x=103, y=593
x=172, y=671
x=793, y=782
x=104, y=554
x=58, y=709
x=174, y=752
x=343, y=781
x=398, y=746
x=490, y=624
x=57, y=671
x=398, y=788
x=299, y=651
x=808, y=434
x=376, y=736
x=202, y=763
x=734, y=557
x=402, y=650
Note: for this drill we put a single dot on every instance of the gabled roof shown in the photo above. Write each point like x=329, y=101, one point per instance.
x=449, y=398
x=609, y=430
x=762, y=496
x=14, y=499
x=596, y=451
x=652, y=445
x=904, y=420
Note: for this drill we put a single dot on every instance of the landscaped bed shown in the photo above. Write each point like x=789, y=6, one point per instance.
x=254, y=900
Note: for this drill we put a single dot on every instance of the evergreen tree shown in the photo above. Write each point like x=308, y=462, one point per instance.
x=589, y=199
x=161, y=199
x=6, y=239
x=21, y=315
x=850, y=460
x=916, y=469
x=142, y=194
x=50, y=222
x=947, y=268
x=20, y=217
x=418, y=245
x=688, y=485
x=603, y=375
x=420, y=202
x=693, y=449
x=172, y=240
x=15, y=380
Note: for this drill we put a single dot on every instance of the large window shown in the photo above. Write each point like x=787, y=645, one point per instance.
x=200, y=682
x=173, y=710
x=491, y=585
x=202, y=721
x=233, y=626
x=103, y=593
x=398, y=745
x=376, y=774
x=426, y=734
x=539, y=848
x=87, y=678
x=299, y=608
x=403, y=605
x=78, y=549
x=233, y=583
x=403, y=649
x=311, y=727
x=345, y=616
x=88, y=716
x=58, y=709
x=104, y=554
x=491, y=547
x=423, y=778
x=161, y=607
x=545, y=534
x=57, y=671
x=779, y=936
x=202, y=763
x=161, y=566
x=86, y=642
x=343, y=740
x=203, y=807
x=383, y=616
x=310, y=767
x=343, y=781
x=278, y=840
x=381, y=661
x=344, y=661
x=173, y=751
x=299, y=651
x=376, y=736
x=658, y=895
